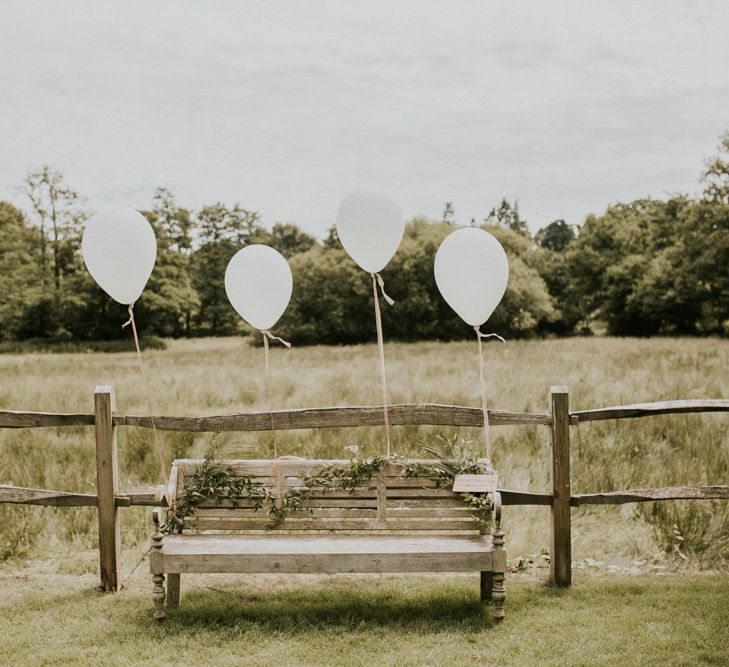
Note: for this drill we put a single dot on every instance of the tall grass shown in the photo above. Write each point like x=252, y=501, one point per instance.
x=217, y=376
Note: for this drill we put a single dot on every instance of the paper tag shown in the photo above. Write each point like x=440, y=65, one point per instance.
x=475, y=483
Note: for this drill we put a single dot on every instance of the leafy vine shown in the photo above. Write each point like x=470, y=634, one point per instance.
x=213, y=481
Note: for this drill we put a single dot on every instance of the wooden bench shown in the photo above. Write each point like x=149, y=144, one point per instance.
x=386, y=524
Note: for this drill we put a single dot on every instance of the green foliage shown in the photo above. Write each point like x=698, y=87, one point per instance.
x=641, y=268
x=212, y=481
x=454, y=457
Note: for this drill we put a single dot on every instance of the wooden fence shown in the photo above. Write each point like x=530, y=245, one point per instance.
x=109, y=499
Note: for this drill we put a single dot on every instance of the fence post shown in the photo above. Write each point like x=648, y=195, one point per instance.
x=560, y=562
x=107, y=487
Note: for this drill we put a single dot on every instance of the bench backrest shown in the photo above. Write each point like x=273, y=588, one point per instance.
x=387, y=502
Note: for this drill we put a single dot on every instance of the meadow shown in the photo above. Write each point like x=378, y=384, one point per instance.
x=224, y=375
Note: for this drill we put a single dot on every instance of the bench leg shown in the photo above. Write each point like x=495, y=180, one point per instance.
x=158, y=595
x=487, y=586
x=173, y=590
x=498, y=595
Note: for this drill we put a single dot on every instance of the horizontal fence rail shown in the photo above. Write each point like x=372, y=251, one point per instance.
x=21, y=495
x=408, y=414
x=645, y=495
x=649, y=410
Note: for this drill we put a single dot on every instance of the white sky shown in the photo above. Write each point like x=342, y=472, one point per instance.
x=286, y=106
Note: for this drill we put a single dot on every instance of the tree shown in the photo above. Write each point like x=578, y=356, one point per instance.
x=222, y=232
x=20, y=273
x=238, y=225
x=556, y=236
x=507, y=215
x=170, y=301
x=59, y=214
x=173, y=224
x=449, y=213
x=290, y=239
x=716, y=174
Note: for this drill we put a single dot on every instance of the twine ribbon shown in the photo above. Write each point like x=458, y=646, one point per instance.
x=157, y=445
x=482, y=375
x=267, y=335
x=377, y=280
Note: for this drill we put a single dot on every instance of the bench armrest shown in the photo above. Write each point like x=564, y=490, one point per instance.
x=170, y=493
x=497, y=510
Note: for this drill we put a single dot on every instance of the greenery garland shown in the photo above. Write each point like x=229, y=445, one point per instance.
x=221, y=484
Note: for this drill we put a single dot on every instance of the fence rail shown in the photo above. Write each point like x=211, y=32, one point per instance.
x=109, y=499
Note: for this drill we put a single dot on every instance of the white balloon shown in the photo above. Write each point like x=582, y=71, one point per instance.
x=258, y=283
x=471, y=271
x=370, y=225
x=119, y=249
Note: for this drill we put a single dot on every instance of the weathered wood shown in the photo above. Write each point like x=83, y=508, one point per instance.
x=156, y=567
x=173, y=590
x=334, y=417
x=560, y=562
x=650, y=409
x=311, y=554
x=24, y=496
x=107, y=485
x=24, y=419
x=525, y=498
x=264, y=522
x=154, y=497
x=645, y=495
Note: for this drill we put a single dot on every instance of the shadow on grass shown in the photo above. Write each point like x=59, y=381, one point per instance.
x=293, y=612
x=358, y=606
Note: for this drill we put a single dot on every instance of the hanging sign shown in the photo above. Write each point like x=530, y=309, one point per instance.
x=475, y=483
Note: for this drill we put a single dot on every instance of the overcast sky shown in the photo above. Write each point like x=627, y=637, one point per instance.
x=286, y=106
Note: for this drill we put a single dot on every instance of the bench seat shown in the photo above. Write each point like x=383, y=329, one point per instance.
x=324, y=553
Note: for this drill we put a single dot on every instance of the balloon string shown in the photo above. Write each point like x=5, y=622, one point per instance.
x=157, y=445
x=482, y=375
x=266, y=335
x=376, y=278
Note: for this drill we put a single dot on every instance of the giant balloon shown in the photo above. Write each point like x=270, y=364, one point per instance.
x=119, y=249
x=370, y=225
x=471, y=271
x=258, y=282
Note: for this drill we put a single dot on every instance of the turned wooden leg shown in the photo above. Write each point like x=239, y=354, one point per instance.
x=487, y=585
x=173, y=590
x=158, y=595
x=498, y=595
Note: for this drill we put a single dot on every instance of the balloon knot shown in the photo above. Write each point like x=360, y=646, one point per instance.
x=270, y=336
x=130, y=310
x=381, y=283
x=488, y=335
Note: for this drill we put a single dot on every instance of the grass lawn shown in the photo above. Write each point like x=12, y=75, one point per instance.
x=51, y=619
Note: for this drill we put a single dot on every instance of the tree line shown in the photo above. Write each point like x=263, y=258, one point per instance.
x=647, y=267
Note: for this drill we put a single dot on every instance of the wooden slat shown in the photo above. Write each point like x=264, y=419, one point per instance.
x=326, y=512
x=645, y=495
x=339, y=417
x=310, y=554
x=25, y=496
x=154, y=497
x=24, y=419
x=650, y=409
x=263, y=523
